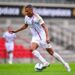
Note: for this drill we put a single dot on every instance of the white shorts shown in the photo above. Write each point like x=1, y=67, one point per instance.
x=9, y=46
x=41, y=42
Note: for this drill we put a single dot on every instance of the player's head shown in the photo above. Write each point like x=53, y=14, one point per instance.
x=29, y=10
x=9, y=28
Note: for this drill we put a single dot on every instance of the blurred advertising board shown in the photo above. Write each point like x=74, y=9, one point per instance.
x=47, y=12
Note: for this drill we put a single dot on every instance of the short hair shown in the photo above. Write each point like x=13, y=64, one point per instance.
x=29, y=6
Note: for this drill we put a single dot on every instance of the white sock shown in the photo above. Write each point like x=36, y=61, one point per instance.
x=10, y=57
x=58, y=57
x=38, y=55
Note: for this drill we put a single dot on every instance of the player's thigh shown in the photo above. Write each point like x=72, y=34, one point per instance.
x=34, y=43
x=50, y=49
x=9, y=47
x=43, y=44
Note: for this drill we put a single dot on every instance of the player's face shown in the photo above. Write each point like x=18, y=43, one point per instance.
x=9, y=29
x=29, y=12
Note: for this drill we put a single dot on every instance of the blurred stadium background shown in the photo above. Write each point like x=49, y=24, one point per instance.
x=59, y=15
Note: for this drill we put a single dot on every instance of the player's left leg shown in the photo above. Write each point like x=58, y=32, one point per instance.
x=58, y=57
x=10, y=48
x=10, y=57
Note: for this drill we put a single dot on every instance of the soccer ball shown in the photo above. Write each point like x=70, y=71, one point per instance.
x=38, y=67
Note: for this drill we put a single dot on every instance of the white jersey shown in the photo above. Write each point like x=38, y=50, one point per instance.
x=39, y=35
x=9, y=37
x=35, y=25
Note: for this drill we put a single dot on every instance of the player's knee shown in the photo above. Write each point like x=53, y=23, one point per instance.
x=50, y=51
x=31, y=49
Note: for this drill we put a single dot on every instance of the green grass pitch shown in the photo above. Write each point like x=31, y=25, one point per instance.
x=28, y=69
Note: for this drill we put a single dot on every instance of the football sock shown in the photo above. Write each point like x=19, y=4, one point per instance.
x=58, y=57
x=38, y=55
x=10, y=57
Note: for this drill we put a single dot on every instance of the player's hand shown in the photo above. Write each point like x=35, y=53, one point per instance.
x=13, y=31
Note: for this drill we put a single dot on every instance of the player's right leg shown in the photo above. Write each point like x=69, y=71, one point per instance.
x=58, y=57
x=10, y=57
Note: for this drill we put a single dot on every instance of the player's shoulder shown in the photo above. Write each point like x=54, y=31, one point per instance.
x=5, y=32
x=38, y=16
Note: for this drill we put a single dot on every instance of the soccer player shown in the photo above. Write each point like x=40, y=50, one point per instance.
x=9, y=38
x=40, y=36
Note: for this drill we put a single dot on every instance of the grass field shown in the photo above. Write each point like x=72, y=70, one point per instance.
x=28, y=69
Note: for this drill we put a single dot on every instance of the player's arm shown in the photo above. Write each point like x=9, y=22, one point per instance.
x=20, y=29
x=42, y=23
x=46, y=31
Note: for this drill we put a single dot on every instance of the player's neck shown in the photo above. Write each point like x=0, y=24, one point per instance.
x=31, y=15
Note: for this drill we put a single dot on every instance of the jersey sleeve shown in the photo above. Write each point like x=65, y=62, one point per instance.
x=41, y=21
